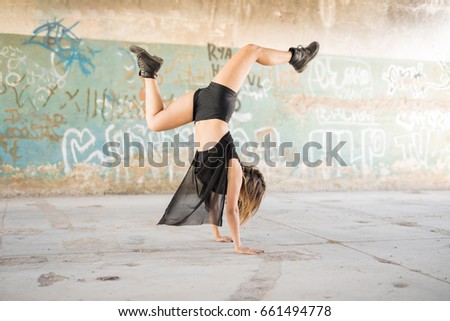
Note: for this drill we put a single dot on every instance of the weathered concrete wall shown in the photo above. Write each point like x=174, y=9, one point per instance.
x=381, y=83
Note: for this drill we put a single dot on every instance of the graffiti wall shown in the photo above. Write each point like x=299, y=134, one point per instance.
x=62, y=98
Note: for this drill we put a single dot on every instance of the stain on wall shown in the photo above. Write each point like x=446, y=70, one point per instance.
x=63, y=96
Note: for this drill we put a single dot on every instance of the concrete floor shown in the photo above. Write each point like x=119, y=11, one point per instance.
x=319, y=246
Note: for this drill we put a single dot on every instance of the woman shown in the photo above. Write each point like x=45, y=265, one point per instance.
x=216, y=172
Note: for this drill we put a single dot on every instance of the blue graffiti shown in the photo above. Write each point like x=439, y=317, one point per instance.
x=65, y=44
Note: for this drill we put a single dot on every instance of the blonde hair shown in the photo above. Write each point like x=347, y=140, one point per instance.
x=252, y=192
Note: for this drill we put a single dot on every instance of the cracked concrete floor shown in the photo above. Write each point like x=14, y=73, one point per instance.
x=319, y=246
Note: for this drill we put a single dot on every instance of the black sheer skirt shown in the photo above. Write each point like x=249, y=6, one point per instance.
x=200, y=198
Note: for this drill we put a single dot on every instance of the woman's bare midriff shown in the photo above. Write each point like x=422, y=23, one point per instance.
x=208, y=132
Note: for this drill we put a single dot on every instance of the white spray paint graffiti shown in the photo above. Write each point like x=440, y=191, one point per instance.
x=79, y=147
x=239, y=135
x=130, y=67
x=373, y=147
x=353, y=82
x=319, y=135
x=415, y=146
x=58, y=77
x=413, y=80
x=345, y=116
x=433, y=119
x=370, y=133
x=262, y=90
x=14, y=59
x=30, y=81
x=425, y=139
x=365, y=146
x=274, y=135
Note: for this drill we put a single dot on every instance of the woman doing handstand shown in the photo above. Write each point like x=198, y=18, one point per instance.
x=216, y=174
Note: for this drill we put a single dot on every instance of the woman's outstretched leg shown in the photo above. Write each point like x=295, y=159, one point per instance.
x=235, y=71
x=180, y=112
x=158, y=118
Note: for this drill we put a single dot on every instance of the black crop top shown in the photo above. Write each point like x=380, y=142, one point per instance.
x=214, y=102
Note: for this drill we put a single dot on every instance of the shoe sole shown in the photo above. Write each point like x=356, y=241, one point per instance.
x=311, y=58
x=137, y=50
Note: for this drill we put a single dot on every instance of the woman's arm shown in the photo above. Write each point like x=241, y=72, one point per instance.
x=218, y=237
x=232, y=209
x=233, y=222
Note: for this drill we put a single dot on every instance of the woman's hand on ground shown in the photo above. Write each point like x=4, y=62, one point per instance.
x=247, y=250
x=225, y=239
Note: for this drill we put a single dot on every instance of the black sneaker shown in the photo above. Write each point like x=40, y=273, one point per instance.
x=302, y=55
x=148, y=65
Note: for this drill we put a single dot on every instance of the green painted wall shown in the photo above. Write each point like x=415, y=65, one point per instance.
x=62, y=98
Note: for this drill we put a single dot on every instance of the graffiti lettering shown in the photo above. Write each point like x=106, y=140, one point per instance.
x=218, y=53
x=436, y=120
x=414, y=81
x=344, y=116
x=353, y=82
